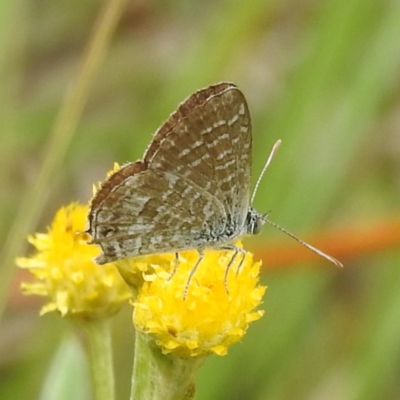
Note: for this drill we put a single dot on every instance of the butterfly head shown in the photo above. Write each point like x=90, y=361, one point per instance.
x=254, y=221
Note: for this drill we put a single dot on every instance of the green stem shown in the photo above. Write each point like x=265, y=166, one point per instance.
x=161, y=377
x=100, y=358
x=67, y=120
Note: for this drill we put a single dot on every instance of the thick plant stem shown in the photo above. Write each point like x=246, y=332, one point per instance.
x=100, y=358
x=162, y=377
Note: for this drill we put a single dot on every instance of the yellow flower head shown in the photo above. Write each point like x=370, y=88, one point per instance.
x=66, y=273
x=209, y=319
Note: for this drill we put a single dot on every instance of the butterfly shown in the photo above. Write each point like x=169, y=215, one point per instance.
x=191, y=189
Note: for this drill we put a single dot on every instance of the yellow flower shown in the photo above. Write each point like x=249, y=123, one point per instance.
x=65, y=272
x=209, y=319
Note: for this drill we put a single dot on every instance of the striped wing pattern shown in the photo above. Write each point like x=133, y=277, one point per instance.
x=192, y=188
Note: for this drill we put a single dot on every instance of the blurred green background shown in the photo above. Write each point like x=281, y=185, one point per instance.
x=323, y=76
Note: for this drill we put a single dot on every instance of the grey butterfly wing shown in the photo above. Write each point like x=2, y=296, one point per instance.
x=193, y=182
x=139, y=211
x=208, y=141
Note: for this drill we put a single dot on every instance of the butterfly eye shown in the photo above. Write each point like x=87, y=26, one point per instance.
x=257, y=226
x=254, y=222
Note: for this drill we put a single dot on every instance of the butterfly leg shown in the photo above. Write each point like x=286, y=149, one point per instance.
x=175, y=266
x=237, y=250
x=243, y=252
x=192, y=272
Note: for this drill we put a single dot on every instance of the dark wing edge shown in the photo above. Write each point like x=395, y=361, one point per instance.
x=107, y=187
x=194, y=101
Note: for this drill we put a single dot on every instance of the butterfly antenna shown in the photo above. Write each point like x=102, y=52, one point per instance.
x=271, y=155
x=308, y=246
